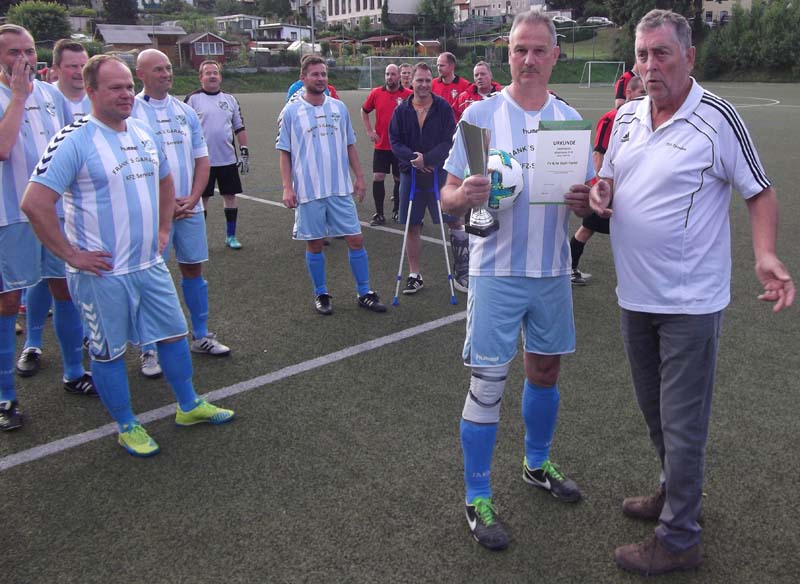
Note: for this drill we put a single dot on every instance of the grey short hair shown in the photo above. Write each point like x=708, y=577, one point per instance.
x=680, y=26
x=534, y=17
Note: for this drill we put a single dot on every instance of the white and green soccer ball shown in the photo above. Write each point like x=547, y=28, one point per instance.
x=507, y=179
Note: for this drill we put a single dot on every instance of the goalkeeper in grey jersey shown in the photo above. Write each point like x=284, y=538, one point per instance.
x=223, y=126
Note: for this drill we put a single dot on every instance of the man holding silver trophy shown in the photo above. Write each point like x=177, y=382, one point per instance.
x=519, y=270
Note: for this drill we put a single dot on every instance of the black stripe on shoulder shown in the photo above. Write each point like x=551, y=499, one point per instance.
x=47, y=155
x=732, y=117
x=190, y=94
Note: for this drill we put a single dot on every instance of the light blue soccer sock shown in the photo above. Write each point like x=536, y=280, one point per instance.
x=111, y=381
x=8, y=344
x=360, y=268
x=37, y=305
x=176, y=362
x=315, y=262
x=69, y=332
x=477, y=444
x=540, y=412
x=195, y=294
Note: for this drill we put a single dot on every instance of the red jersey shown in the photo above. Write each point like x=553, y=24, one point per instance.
x=622, y=84
x=603, y=134
x=470, y=96
x=382, y=102
x=450, y=91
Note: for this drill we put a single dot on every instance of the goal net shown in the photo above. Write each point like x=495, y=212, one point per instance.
x=373, y=68
x=601, y=73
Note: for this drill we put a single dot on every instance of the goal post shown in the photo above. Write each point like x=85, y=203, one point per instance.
x=373, y=68
x=601, y=73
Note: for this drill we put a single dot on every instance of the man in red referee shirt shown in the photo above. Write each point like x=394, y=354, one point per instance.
x=593, y=223
x=482, y=88
x=382, y=100
x=448, y=85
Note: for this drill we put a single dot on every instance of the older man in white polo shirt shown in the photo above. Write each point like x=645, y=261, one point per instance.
x=669, y=169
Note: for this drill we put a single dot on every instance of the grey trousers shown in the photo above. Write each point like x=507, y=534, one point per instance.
x=673, y=359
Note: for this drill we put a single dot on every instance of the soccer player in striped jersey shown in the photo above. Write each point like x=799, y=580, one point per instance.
x=317, y=148
x=222, y=122
x=69, y=58
x=177, y=126
x=31, y=113
x=115, y=181
x=519, y=278
x=672, y=160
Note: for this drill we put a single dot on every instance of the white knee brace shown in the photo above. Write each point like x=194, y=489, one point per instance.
x=486, y=387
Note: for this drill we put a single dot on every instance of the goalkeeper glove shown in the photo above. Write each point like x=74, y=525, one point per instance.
x=244, y=160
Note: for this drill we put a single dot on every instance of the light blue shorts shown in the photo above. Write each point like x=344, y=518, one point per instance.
x=498, y=307
x=18, y=244
x=331, y=216
x=188, y=237
x=140, y=307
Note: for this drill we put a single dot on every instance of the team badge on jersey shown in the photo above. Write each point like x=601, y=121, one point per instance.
x=453, y=93
x=336, y=117
x=181, y=119
x=50, y=107
x=399, y=100
x=223, y=105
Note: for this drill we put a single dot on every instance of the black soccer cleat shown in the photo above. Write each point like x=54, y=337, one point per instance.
x=547, y=477
x=485, y=525
x=10, y=415
x=372, y=302
x=323, y=304
x=84, y=385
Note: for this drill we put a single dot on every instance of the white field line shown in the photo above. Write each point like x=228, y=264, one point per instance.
x=62, y=444
x=363, y=223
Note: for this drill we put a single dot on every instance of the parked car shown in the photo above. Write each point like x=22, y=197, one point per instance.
x=562, y=20
x=599, y=20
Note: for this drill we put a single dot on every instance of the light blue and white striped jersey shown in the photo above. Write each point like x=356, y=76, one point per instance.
x=533, y=240
x=80, y=108
x=110, y=182
x=177, y=126
x=46, y=112
x=317, y=137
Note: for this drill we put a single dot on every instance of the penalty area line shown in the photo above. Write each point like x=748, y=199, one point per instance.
x=51, y=448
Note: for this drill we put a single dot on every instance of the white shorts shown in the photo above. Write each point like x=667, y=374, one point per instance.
x=498, y=307
x=140, y=307
x=328, y=217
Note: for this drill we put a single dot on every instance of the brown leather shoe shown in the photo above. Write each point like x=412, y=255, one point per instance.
x=647, y=508
x=651, y=558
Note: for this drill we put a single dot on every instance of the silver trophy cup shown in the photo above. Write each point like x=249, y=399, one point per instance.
x=479, y=221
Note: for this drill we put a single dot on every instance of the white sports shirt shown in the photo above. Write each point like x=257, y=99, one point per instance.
x=221, y=118
x=178, y=127
x=669, y=231
x=317, y=137
x=45, y=114
x=110, y=185
x=533, y=240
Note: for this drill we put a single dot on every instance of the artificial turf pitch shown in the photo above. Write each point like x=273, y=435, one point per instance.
x=348, y=469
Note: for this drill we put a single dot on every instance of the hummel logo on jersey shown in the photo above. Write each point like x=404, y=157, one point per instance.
x=626, y=137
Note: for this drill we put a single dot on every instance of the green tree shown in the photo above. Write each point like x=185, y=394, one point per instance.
x=44, y=20
x=439, y=17
x=276, y=8
x=120, y=11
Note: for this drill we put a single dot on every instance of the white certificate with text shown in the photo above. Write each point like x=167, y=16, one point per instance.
x=561, y=159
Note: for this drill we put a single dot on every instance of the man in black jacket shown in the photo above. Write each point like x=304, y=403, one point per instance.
x=421, y=133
